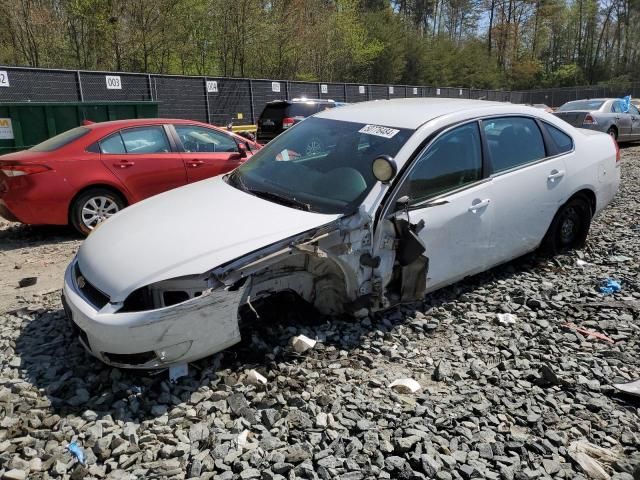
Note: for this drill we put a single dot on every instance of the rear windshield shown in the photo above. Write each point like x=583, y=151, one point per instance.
x=282, y=110
x=60, y=140
x=581, y=105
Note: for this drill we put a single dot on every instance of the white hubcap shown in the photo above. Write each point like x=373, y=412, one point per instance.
x=96, y=210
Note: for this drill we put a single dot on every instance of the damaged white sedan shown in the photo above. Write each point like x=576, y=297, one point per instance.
x=354, y=210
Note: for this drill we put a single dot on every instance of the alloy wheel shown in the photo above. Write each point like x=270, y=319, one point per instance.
x=97, y=210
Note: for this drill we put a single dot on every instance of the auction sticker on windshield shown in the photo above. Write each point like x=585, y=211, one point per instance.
x=379, y=131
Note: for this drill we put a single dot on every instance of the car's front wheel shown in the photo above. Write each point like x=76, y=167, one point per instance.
x=94, y=206
x=570, y=226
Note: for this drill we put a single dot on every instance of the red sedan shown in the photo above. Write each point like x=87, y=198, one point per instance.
x=89, y=173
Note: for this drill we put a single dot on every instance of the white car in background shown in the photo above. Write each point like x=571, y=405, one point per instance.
x=405, y=196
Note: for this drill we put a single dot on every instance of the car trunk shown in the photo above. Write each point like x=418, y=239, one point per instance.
x=575, y=118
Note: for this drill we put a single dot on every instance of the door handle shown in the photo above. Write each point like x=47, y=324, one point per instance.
x=480, y=204
x=195, y=163
x=555, y=175
x=124, y=164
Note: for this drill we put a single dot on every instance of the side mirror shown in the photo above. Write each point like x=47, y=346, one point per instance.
x=242, y=150
x=384, y=168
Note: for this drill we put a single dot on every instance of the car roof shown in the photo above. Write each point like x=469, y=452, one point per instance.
x=593, y=100
x=405, y=112
x=132, y=122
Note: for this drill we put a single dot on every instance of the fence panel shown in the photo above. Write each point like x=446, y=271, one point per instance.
x=304, y=89
x=397, y=91
x=30, y=85
x=414, y=91
x=180, y=97
x=229, y=101
x=116, y=87
x=265, y=91
x=378, y=92
x=335, y=91
x=357, y=93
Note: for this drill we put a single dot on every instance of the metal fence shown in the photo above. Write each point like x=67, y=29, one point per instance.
x=220, y=100
x=554, y=97
x=214, y=100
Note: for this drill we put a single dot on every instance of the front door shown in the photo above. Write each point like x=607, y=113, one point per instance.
x=623, y=120
x=447, y=191
x=528, y=183
x=207, y=152
x=142, y=159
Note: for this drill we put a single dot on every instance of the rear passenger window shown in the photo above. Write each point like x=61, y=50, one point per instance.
x=513, y=141
x=562, y=140
x=112, y=144
x=145, y=140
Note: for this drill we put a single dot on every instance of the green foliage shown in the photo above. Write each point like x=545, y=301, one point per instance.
x=515, y=44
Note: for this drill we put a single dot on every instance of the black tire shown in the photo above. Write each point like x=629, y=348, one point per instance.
x=106, y=202
x=570, y=226
x=613, y=131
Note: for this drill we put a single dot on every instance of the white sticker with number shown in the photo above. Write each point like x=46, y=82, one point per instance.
x=212, y=86
x=113, y=82
x=391, y=90
x=324, y=89
x=415, y=91
x=4, y=78
x=379, y=131
x=437, y=91
x=6, y=129
x=361, y=89
x=275, y=87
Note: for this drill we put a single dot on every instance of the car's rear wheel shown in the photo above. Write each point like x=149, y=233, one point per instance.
x=613, y=131
x=570, y=226
x=94, y=206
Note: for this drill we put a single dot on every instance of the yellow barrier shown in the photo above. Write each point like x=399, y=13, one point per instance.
x=244, y=128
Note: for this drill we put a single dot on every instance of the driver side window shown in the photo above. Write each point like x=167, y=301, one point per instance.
x=204, y=140
x=452, y=161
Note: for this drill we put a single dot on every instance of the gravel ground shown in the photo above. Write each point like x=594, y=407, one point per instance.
x=498, y=401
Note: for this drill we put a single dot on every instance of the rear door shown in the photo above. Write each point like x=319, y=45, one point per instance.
x=143, y=159
x=528, y=183
x=207, y=152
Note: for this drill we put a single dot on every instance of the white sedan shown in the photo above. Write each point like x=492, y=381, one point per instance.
x=355, y=209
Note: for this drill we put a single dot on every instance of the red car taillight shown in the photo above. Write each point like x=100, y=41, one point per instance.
x=617, y=149
x=288, y=122
x=17, y=170
x=589, y=120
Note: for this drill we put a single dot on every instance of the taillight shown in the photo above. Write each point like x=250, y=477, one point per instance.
x=25, y=169
x=288, y=122
x=615, y=143
x=589, y=120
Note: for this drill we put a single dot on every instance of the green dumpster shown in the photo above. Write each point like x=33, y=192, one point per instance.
x=25, y=124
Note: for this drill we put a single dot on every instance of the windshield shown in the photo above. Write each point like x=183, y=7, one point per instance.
x=319, y=165
x=60, y=140
x=589, y=105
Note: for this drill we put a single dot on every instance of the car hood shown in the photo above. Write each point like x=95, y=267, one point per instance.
x=186, y=231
